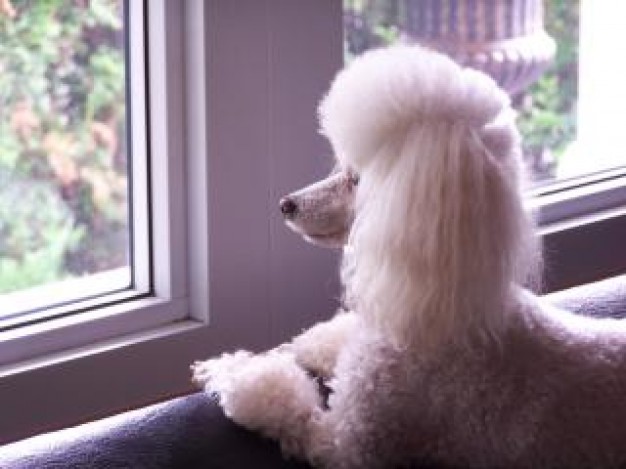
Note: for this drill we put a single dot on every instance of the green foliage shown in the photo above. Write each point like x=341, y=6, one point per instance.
x=547, y=111
x=547, y=118
x=36, y=229
x=370, y=23
x=63, y=188
x=105, y=64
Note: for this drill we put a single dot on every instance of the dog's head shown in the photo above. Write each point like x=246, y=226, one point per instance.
x=375, y=103
x=436, y=223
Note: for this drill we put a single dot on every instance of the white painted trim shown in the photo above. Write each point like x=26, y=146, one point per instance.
x=39, y=340
x=139, y=175
x=29, y=304
x=166, y=53
x=572, y=224
x=85, y=352
x=197, y=159
x=579, y=197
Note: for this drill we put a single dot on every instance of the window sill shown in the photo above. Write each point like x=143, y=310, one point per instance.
x=27, y=305
x=103, y=346
x=583, y=249
x=577, y=198
x=122, y=318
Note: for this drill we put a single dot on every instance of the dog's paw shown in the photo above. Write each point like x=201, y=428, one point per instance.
x=204, y=373
x=269, y=393
x=200, y=372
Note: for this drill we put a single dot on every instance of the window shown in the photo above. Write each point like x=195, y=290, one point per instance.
x=73, y=213
x=68, y=157
x=63, y=167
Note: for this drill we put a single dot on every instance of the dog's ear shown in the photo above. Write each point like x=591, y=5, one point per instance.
x=498, y=138
x=501, y=138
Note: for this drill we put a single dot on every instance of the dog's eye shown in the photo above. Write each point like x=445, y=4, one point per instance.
x=354, y=179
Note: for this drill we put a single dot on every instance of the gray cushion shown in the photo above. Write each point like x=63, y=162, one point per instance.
x=187, y=432
x=606, y=298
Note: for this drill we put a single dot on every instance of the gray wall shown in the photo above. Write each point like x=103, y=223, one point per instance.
x=263, y=144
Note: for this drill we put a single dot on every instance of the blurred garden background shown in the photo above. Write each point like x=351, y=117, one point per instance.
x=63, y=159
x=547, y=109
x=63, y=168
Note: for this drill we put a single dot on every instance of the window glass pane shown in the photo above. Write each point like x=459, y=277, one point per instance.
x=568, y=130
x=63, y=160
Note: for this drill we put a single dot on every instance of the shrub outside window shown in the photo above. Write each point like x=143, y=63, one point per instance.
x=64, y=169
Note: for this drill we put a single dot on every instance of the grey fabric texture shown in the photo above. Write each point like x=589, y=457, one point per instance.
x=192, y=432
x=187, y=432
x=606, y=298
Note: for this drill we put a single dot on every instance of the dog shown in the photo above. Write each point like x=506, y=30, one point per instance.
x=441, y=352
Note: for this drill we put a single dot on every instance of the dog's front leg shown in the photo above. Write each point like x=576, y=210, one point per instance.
x=317, y=348
x=269, y=393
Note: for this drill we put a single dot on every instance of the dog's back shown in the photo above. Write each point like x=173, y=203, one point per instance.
x=549, y=394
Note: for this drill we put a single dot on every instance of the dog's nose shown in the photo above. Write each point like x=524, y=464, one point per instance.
x=288, y=207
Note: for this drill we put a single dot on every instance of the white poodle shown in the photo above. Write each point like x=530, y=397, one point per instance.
x=443, y=355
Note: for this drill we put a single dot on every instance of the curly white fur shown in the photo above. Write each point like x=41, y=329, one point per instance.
x=445, y=356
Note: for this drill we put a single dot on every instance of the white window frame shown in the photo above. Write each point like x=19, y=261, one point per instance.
x=152, y=301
